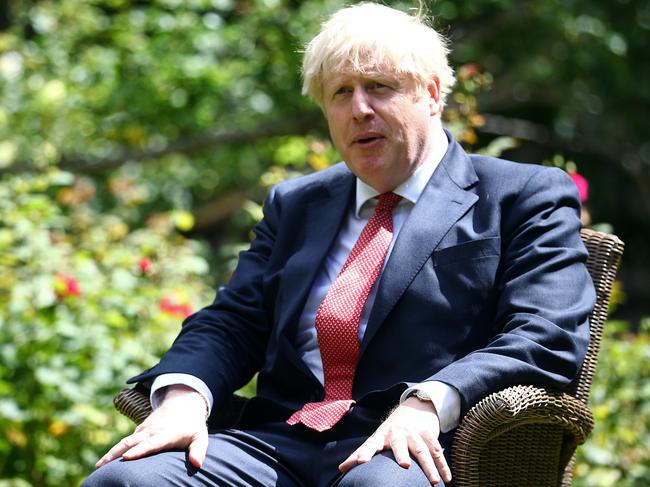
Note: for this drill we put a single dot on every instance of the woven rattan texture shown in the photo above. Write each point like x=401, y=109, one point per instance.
x=605, y=252
x=133, y=404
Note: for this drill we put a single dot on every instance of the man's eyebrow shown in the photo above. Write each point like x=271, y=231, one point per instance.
x=336, y=80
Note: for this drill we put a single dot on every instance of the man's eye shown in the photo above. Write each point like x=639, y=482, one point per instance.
x=342, y=90
x=377, y=86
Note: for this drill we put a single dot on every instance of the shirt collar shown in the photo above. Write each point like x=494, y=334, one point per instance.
x=410, y=190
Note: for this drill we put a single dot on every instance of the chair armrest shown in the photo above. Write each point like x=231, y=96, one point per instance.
x=133, y=403
x=529, y=422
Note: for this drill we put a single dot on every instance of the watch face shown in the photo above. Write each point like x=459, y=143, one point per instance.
x=422, y=396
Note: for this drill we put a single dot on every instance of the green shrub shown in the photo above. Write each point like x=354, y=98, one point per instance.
x=85, y=302
x=617, y=452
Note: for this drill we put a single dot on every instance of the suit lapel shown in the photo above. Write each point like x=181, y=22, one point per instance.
x=324, y=216
x=443, y=202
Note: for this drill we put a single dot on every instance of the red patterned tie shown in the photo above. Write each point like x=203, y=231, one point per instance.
x=337, y=318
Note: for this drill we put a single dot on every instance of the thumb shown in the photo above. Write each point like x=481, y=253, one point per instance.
x=198, y=448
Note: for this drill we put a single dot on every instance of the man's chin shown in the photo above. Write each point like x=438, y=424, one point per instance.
x=379, y=180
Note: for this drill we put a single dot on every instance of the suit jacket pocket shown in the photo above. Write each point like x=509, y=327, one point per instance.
x=466, y=251
x=466, y=275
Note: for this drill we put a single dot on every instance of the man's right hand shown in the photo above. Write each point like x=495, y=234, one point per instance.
x=179, y=422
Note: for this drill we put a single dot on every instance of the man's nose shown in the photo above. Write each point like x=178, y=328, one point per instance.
x=361, y=106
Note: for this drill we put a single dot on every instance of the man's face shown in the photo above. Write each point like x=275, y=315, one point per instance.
x=381, y=124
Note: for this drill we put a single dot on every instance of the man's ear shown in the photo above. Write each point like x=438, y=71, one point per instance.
x=435, y=100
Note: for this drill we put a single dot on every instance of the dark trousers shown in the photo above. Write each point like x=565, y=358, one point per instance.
x=274, y=454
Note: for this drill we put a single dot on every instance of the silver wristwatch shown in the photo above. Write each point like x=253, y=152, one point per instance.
x=421, y=395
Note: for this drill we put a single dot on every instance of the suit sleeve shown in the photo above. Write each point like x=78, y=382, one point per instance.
x=224, y=344
x=545, y=296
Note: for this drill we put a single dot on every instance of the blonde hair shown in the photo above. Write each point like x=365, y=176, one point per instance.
x=369, y=37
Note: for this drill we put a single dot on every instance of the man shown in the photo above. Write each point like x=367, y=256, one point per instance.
x=380, y=299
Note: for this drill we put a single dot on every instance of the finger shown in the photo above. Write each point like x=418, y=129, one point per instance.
x=420, y=451
x=438, y=455
x=118, y=449
x=362, y=454
x=349, y=462
x=400, y=448
x=153, y=443
x=369, y=449
x=145, y=447
x=198, y=449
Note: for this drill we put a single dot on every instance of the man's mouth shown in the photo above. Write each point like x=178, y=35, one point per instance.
x=368, y=139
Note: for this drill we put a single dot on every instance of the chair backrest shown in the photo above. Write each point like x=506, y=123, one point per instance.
x=605, y=252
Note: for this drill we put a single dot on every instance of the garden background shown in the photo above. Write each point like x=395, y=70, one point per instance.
x=138, y=139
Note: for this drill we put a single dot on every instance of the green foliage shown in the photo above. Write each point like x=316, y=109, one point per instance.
x=121, y=123
x=617, y=452
x=85, y=302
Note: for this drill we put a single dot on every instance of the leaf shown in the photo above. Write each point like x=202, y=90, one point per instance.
x=9, y=410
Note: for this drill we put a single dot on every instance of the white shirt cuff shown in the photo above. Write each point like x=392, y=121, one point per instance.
x=164, y=380
x=445, y=398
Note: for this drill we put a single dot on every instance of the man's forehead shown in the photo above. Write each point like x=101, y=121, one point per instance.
x=366, y=70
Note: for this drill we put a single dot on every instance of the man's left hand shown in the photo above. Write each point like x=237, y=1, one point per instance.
x=412, y=427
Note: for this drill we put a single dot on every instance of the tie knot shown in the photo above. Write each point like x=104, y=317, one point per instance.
x=387, y=201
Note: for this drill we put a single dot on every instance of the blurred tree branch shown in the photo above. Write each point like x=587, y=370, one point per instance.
x=300, y=124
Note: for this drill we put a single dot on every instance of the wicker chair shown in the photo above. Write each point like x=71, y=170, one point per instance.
x=521, y=436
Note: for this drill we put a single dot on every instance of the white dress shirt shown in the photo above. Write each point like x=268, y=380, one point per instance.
x=445, y=398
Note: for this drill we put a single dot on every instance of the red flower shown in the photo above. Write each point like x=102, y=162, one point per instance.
x=145, y=265
x=66, y=285
x=582, y=184
x=470, y=70
x=175, y=308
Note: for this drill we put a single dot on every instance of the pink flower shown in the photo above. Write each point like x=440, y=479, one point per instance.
x=66, y=285
x=172, y=307
x=145, y=265
x=582, y=184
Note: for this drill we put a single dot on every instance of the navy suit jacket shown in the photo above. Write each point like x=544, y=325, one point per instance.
x=485, y=288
